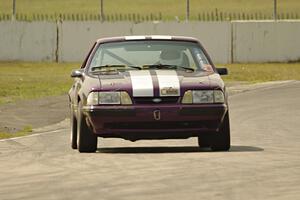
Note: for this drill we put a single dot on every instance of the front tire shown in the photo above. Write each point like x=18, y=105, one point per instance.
x=87, y=141
x=73, y=122
x=204, y=141
x=221, y=140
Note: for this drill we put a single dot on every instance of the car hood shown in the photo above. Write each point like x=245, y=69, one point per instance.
x=158, y=83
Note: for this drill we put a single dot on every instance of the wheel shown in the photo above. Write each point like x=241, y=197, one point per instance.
x=204, y=141
x=221, y=140
x=86, y=141
x=73, y=121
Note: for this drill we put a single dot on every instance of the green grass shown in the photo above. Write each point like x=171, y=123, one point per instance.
x=168, y=8
x=22, y=80
x=25, y=131
x=254, y=73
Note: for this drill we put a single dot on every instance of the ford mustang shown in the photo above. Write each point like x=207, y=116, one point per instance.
x=148, y=87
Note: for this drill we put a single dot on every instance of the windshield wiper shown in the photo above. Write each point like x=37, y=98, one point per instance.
x=111, y=67
x=164, y=66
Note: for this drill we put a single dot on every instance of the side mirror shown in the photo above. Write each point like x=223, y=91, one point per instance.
x=222, y=71
x=78, y=73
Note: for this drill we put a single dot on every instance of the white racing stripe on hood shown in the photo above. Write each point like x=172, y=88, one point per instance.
x=168, y=82
x=142, y=85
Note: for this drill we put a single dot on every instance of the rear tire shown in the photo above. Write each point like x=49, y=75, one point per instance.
x=87, y=141
x=221, y=140
x=73, y=122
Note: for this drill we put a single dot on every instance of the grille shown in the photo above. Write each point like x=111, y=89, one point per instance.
x=151, y=100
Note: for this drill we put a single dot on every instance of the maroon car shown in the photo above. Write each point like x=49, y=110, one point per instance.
x=149, y=87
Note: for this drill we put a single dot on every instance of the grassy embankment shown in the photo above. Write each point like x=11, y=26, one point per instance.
x=20, y=81
x=168, y=8
x=33, y=80
x=255, y=73
x=25, y=131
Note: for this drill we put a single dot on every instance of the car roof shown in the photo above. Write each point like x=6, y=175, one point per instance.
x=147, y=37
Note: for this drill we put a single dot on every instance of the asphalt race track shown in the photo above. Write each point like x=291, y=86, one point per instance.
x=264, y=161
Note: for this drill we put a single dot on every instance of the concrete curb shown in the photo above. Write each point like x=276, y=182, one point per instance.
x=233, y=90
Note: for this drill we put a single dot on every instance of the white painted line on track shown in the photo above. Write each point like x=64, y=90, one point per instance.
x=32, y=135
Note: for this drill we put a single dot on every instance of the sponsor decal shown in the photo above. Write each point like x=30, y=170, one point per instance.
x=207, y=68
x=168, y=82
x=161, y=37
x=135, y=37
x=169, y=91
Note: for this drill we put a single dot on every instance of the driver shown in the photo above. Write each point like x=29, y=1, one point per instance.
x=173, y=57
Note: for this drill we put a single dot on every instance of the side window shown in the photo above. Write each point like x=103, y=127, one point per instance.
x=200, y=56
x=202, y=60
x=187, y=59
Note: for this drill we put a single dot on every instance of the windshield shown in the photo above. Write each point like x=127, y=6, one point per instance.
x=139, y=55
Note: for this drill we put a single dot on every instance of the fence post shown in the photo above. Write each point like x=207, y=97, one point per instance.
x=187, y=10
x=217, y=15
x=101, y=11
x=14, y=10
x=275, y=10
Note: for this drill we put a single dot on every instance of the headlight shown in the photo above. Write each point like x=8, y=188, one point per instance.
x=109, y=98
x=95, y=98
x=219, y=96
x=203, y=96
x=125, y=98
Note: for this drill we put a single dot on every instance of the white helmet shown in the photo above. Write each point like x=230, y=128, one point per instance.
x=170, y=57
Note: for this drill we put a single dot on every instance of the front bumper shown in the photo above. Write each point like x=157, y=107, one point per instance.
x=142, y=121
